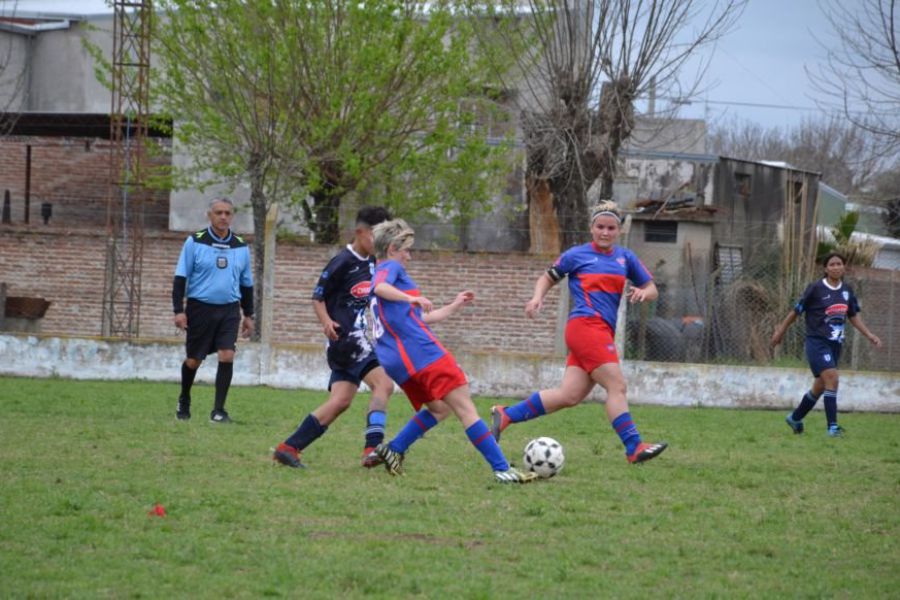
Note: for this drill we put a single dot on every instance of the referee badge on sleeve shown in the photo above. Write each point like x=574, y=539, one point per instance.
x=221, y=261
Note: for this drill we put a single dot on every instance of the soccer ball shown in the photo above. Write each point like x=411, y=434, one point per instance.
x=544, y=456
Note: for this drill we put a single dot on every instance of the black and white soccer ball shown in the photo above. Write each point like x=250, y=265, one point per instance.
x=544, y=456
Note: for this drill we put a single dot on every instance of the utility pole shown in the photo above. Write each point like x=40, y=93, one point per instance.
x=127, y=194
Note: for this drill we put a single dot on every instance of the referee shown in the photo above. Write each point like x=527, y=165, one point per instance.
x=214, y=273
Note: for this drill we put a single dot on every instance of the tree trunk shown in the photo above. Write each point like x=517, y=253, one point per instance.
x=326, y=209
x=258, y=204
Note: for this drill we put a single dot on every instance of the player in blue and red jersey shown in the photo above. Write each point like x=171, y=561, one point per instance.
x=828, y=303
x=597, y=273
x=340, y=299
x=414, y=358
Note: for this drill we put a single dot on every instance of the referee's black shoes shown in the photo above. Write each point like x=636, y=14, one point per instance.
x=183, y=412
x=219, y=416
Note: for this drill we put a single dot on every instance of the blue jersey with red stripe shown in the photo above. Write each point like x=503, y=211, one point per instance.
x=404, y=343
x=597, y=279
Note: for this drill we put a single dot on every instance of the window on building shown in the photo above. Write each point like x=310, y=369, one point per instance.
x=661, y=231
x=742, y=184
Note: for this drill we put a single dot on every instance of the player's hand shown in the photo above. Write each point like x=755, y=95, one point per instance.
x=330, y=329
x=247, y=326
x=876, y=341
x=636, y=294
x=776, y=338
x=533, y=307
x=464, y=297
x=422, y=302
x=180, y=321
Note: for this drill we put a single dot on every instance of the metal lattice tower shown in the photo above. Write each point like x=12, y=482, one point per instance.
x=127, y=195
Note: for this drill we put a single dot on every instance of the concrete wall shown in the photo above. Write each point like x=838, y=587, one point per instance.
x=490, y=374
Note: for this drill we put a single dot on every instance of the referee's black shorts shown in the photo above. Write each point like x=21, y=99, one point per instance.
x=211, y=327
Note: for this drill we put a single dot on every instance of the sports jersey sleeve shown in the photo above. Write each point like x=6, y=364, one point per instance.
x=389, y=274
x=852, y=303
x=635, y=270
x=328, y=279
x=564, y=264
x=185, y=260
x=803, y=302
x=247, y=271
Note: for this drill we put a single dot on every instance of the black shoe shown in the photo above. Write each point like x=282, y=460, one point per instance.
x=183, y=411
x=219, y=416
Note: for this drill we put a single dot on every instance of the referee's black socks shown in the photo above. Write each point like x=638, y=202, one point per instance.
x=223, y=382
x=187, y=381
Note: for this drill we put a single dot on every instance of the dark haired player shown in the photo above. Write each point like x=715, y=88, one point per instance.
x=828, y=303
x=340, y=300
x=214, y=272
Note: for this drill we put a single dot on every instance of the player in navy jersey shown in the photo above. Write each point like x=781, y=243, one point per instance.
x=416, y=360
x=597, y=272
x=828, y=304
x=340, y=299
x=215, y=274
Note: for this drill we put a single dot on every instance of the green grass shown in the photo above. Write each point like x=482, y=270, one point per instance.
x=737, y=507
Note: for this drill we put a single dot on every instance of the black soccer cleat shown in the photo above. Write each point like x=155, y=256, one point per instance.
x=219, y=416
x=183, y=410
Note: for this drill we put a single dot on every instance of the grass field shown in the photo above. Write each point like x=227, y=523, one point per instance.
x=737, y=507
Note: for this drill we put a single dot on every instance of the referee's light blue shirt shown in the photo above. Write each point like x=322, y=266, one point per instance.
x=215, y=268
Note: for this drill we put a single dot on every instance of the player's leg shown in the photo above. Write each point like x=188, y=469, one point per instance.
x=198, y=340
x=830, y=380
x=428, y=414
x=576, y=385
x=341, y=389
x=228, y=324
x=460, y=402
x=609, y=375
x=807, y=402
x=382, y=387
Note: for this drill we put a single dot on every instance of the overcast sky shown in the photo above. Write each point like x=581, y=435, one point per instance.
x=761, y=62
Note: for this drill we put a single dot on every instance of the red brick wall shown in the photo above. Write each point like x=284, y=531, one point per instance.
x=66, y=267
x=73, y=175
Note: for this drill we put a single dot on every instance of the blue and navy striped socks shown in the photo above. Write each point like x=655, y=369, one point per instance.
x=415, y=428
x=375, y=425
x=481, y=438
x=527, y=409
x=806, y=404
x=628, y=433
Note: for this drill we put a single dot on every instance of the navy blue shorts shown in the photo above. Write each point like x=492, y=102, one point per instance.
x=822, y=354
x=355, y=373
x=211, y=327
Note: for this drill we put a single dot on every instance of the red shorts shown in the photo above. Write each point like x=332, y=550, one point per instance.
x=591, y=343
x=434, y=381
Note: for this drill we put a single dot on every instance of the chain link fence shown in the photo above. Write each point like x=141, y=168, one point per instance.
x=712, y=309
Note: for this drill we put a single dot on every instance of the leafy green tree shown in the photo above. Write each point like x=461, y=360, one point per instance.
x=310, y=101
x=315, y=100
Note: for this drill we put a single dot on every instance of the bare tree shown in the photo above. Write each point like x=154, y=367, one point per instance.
x=847, y=156
x=861, y=77
x=582, y=65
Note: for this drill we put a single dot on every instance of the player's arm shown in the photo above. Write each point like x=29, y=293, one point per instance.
x=439, y=314
x=388, y=292
x=330, y=327
x=541, y=287
x=857, y=322
x=645, y=293
x=783, y=327
x=179, y=283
